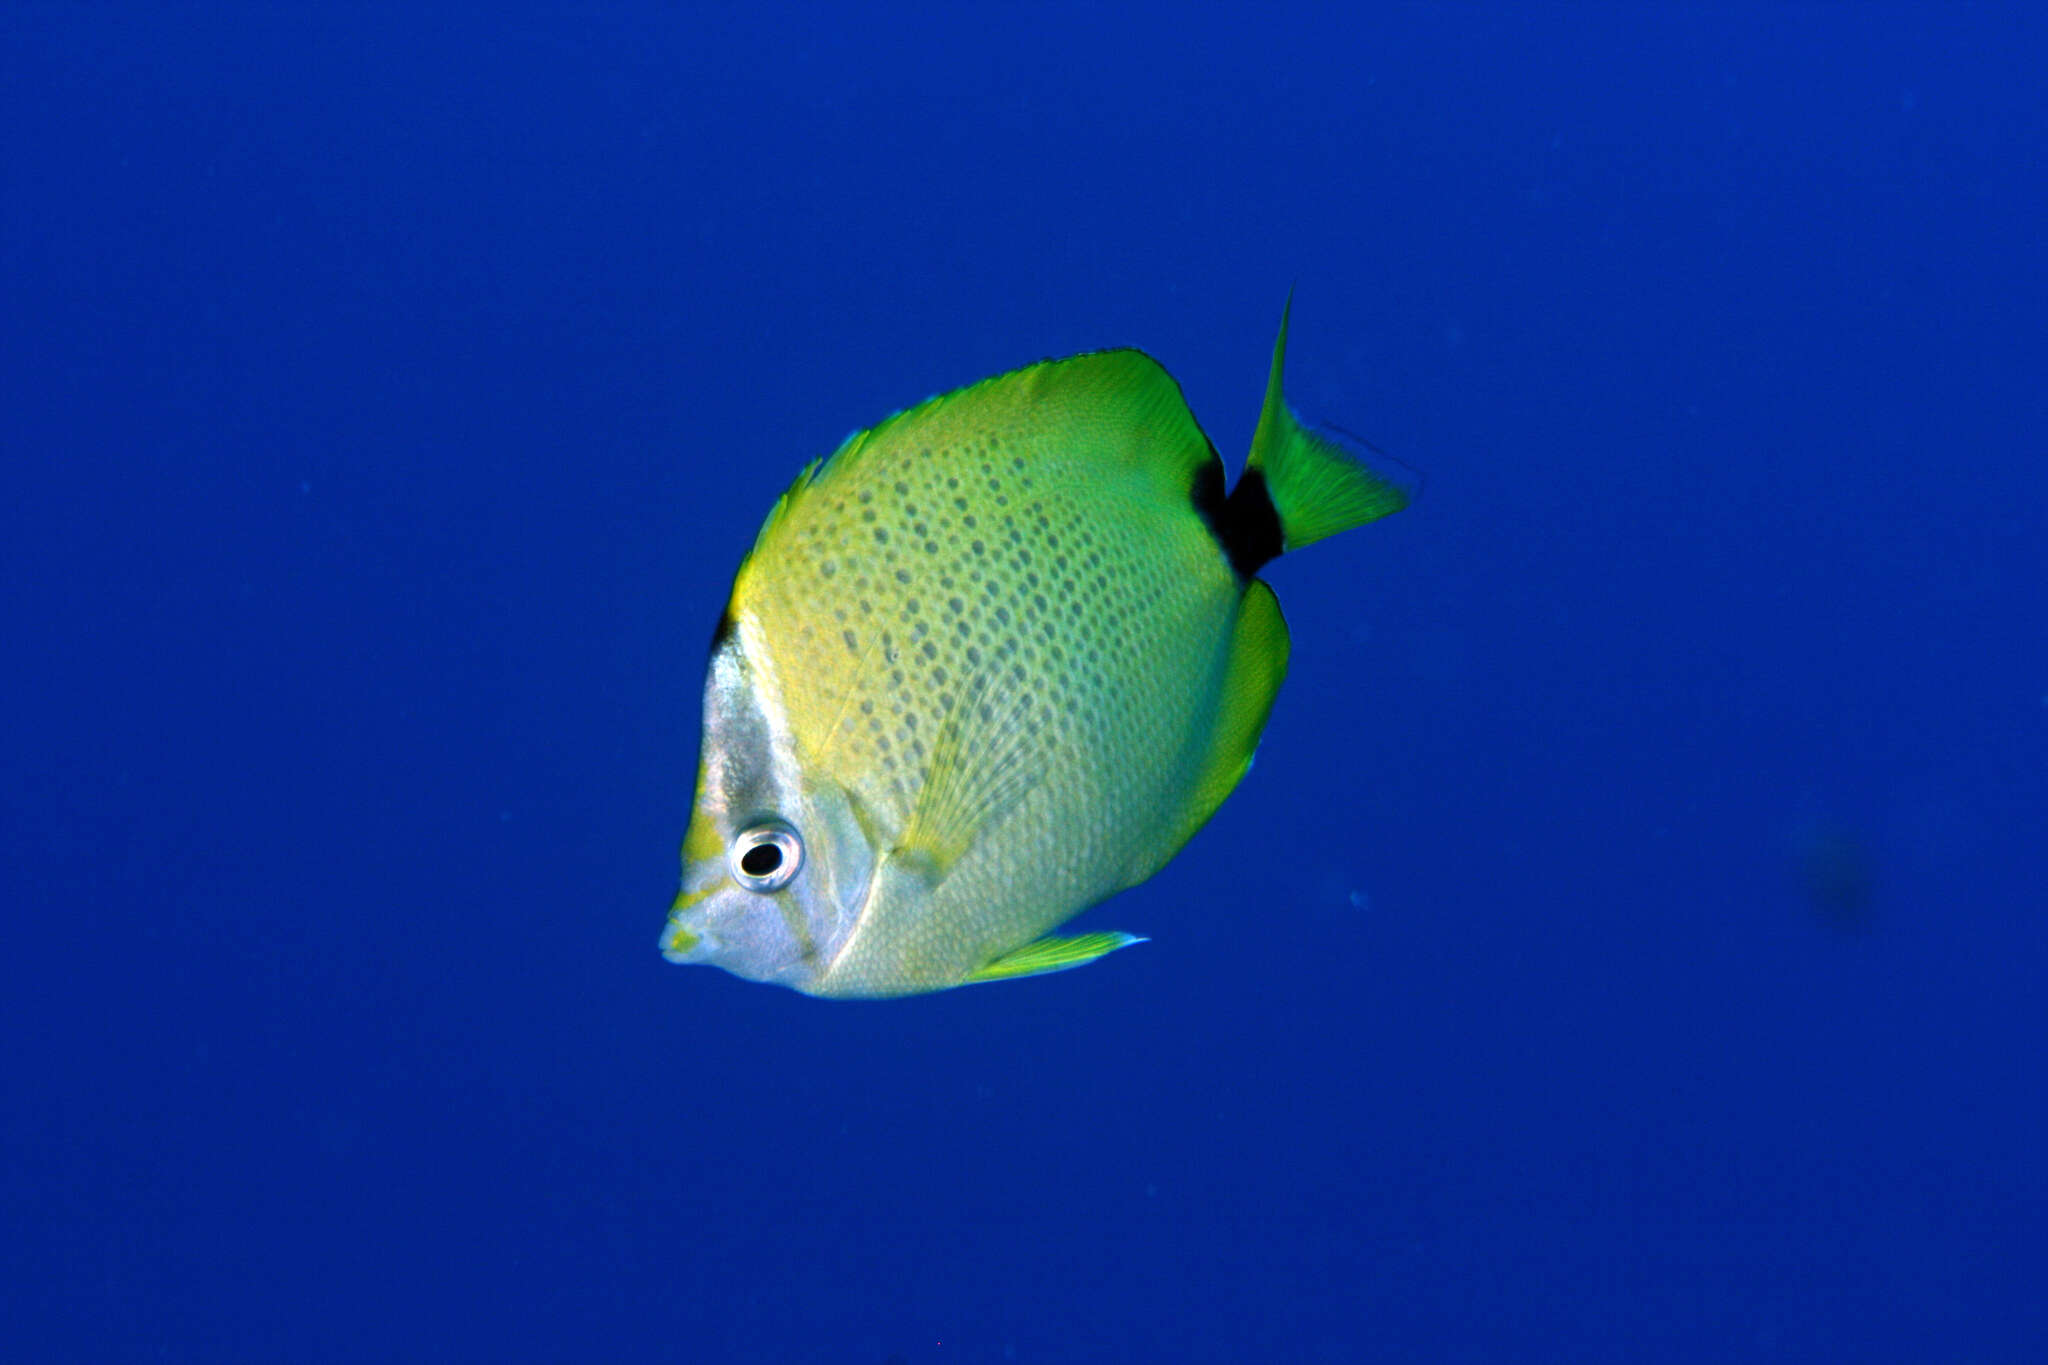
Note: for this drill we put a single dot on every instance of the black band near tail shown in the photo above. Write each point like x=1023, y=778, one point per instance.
x=1245, y=524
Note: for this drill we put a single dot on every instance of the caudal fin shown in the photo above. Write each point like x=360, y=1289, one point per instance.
x=1300, y=485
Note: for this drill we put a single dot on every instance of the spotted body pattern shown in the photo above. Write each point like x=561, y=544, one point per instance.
x=993, y=661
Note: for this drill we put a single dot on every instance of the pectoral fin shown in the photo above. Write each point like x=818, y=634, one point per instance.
x=985, y=760
x=1045, y=955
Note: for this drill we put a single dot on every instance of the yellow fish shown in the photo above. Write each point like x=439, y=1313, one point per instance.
x=994, y=660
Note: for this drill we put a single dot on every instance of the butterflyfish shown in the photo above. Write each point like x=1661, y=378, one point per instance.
x=994, y=660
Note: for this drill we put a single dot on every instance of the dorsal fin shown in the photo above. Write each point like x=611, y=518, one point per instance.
x=1121, y=407
x=776, y=513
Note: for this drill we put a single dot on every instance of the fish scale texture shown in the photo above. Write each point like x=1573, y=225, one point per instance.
x=1045, y=576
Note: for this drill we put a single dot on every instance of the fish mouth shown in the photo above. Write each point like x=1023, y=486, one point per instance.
x=679, y=945
x=679, y=942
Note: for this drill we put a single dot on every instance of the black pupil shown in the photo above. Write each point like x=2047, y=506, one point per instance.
x=761, y=860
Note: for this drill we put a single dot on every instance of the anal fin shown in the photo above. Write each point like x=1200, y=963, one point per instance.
x=1044, y=955
x=1251, y=679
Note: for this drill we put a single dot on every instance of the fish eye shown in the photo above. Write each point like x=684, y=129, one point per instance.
x=765, y=857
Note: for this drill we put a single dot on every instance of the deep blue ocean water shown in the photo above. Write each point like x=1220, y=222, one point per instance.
x=1628, y=947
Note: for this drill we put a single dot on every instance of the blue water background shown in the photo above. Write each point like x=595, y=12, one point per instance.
x=1629, y=945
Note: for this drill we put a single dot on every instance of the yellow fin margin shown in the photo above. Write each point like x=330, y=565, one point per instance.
x=1258, y=661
